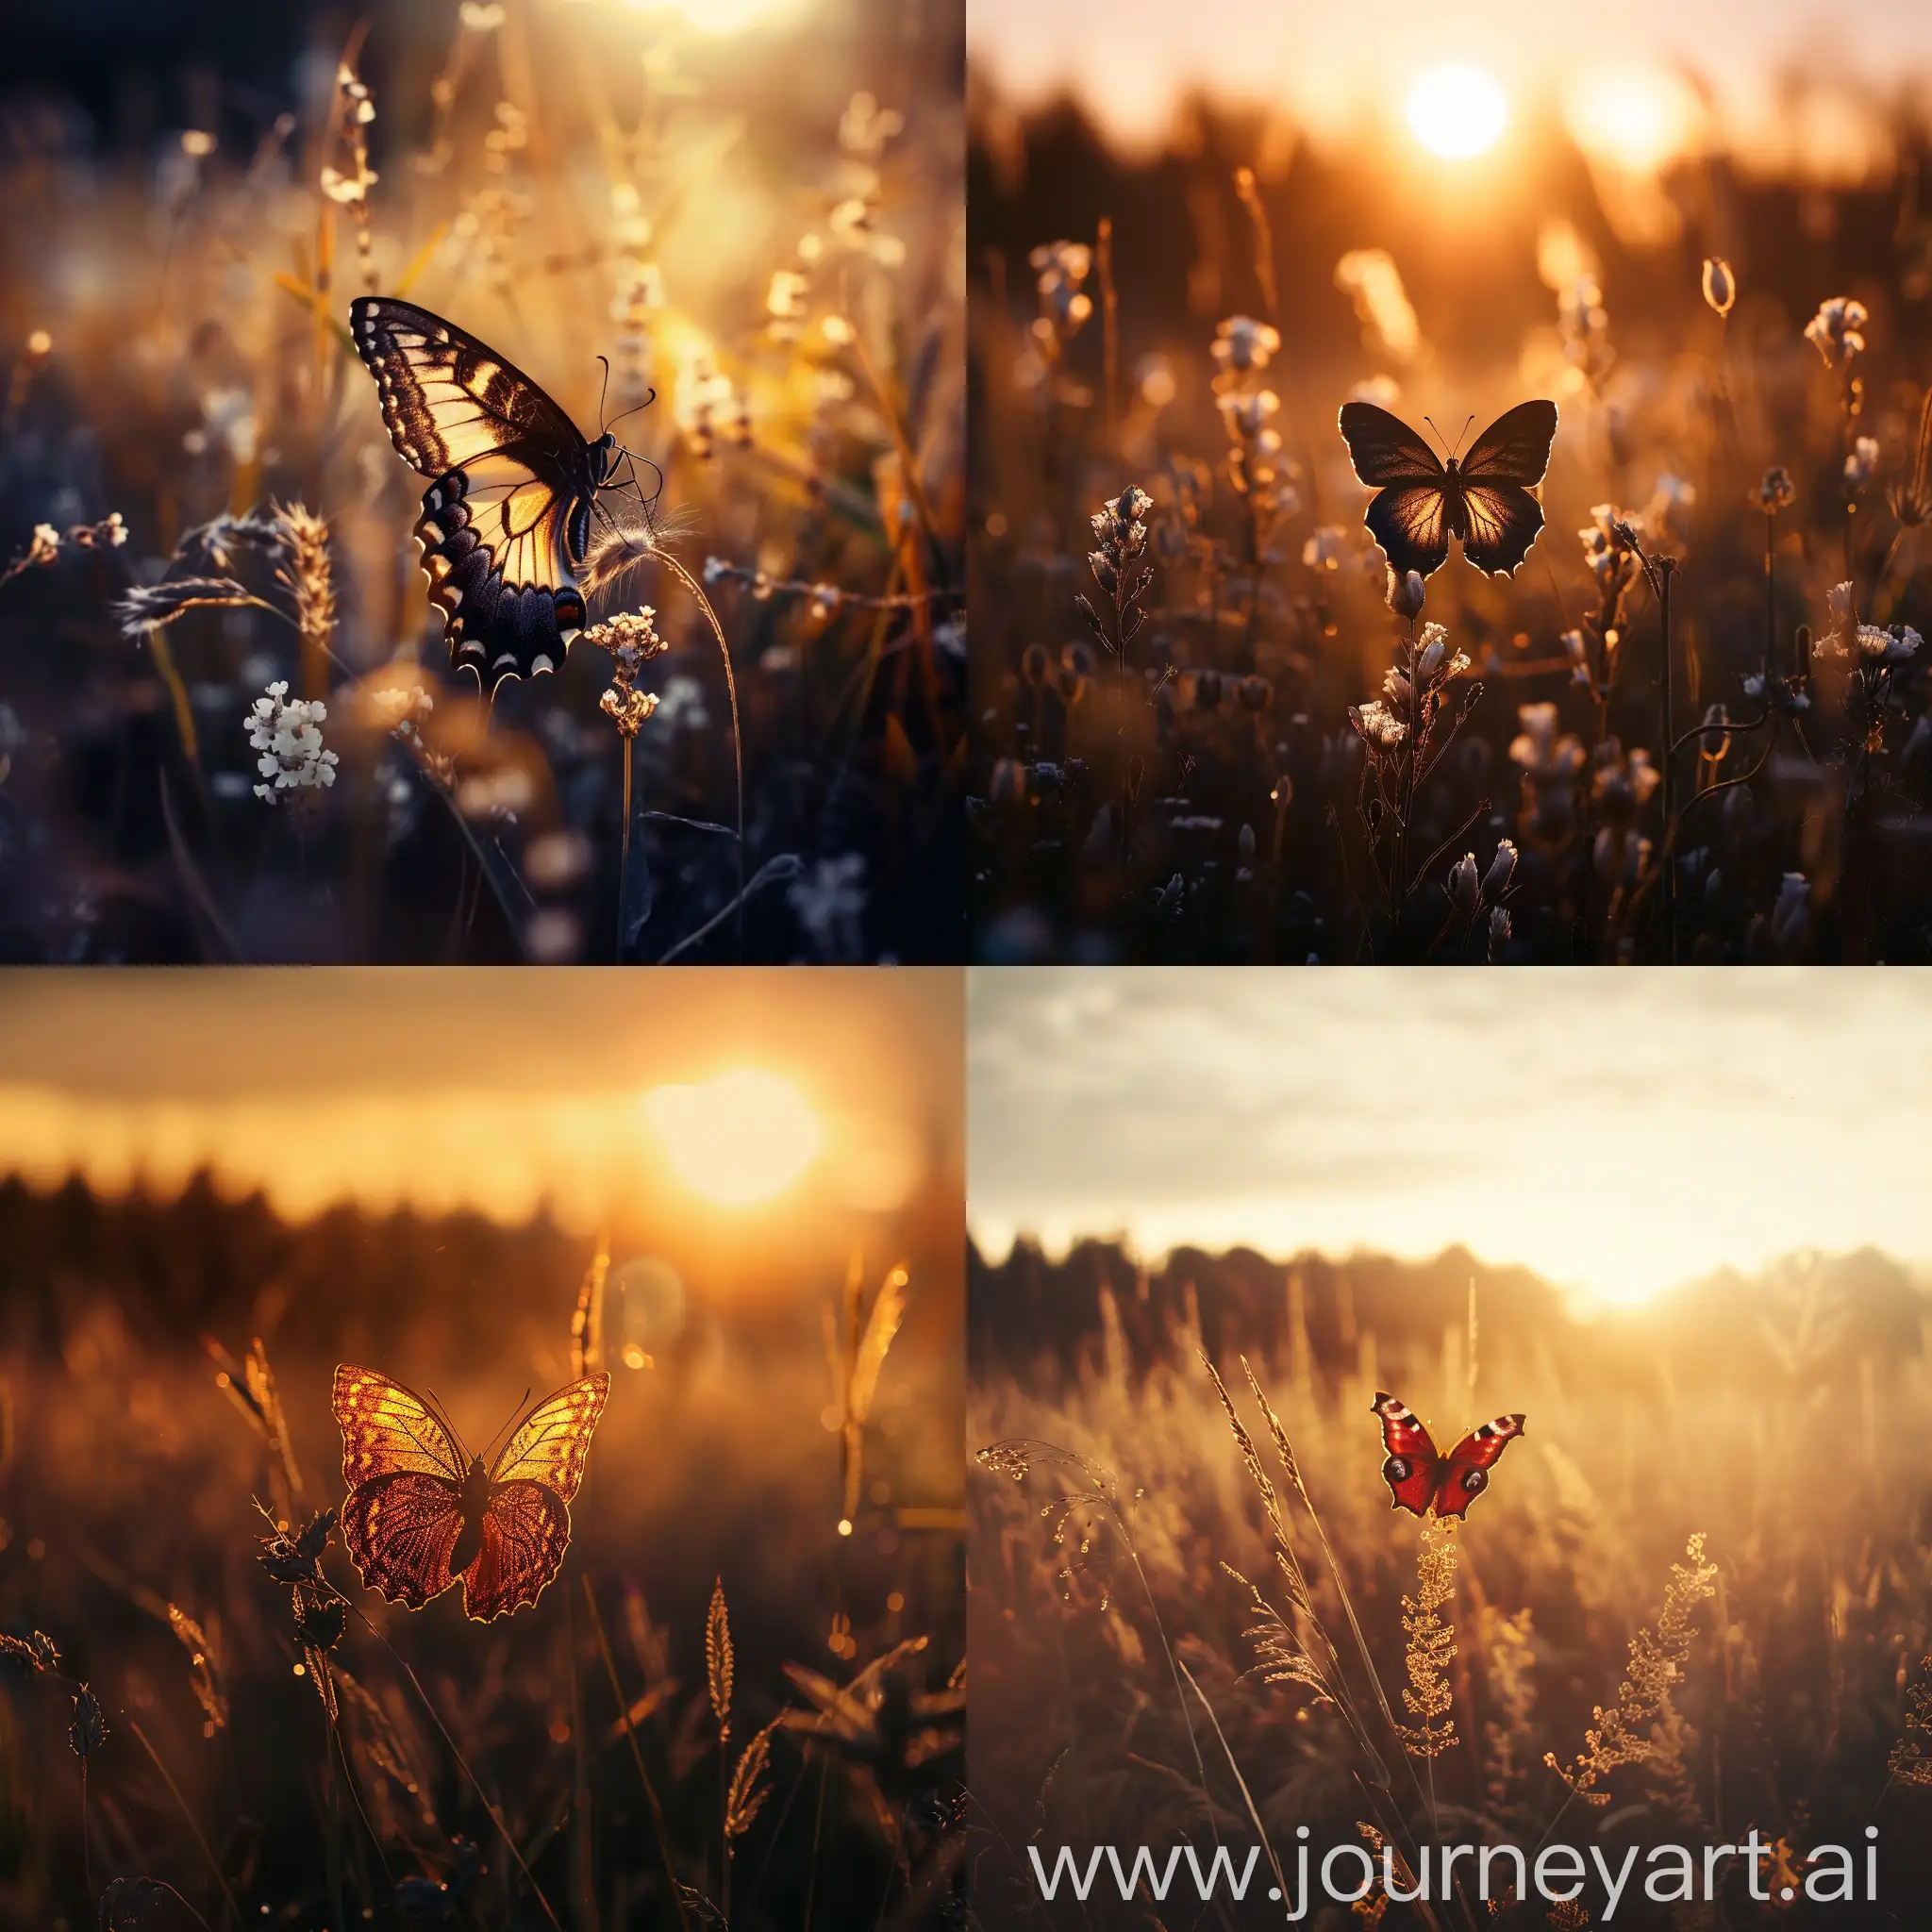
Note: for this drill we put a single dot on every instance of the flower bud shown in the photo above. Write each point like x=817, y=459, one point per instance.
x=1501, y=870
x=1405, y=595
x=1462, y=885
x=1720, y=285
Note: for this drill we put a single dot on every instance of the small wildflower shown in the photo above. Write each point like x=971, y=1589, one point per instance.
x=1061, y=268
x=46, y=546
x=829, y=901
x=88, y=1731
x=1405, y=595
x=1861, y=464
x=288, y=734
x=1775, y=490
x=1241, y=344
x=1501, y=870
x=1836, y=331
x=1327, y=548
x=1378, y=726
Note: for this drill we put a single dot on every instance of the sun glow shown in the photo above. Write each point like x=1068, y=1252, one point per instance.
x=1637, y=118
x=736, y=1140
x=1458, y=111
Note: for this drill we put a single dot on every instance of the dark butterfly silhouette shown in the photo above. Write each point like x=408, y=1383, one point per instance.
x=505, y=521
x=1422, y=1480
x=420, y=1514
x=1485, y=498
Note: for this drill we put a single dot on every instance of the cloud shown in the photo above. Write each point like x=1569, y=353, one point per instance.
x=1619, y=1131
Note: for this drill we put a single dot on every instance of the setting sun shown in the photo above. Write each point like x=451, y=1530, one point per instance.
x=1457, y=111
x=738, y=1138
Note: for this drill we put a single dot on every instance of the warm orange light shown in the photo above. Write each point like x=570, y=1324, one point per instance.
x=1637, y=118
x=1457, y=111
x=718, y=18
x=736, y=1140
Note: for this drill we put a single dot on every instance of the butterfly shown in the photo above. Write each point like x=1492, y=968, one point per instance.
x=421, y=1511
x=1485, y=498
x=506, y=522
x=1419, y=1478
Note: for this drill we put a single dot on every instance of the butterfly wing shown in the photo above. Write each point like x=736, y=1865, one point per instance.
x=525, y=1532
x=402, y=1516
x=1515, y=448
x=504, y=520
x=526, y=1522
x=1413, y=1470
x=1384, y=449
x=1408, y=517
x=1500, y=517
x=1411, y=524
x=552, y=1443
x=390, y=1430
x=1499, y=523
x=399, y=1531
x=1465, y=1469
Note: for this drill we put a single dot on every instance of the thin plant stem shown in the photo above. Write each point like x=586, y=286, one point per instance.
x=630, y=1738
x=175, y=1789
x=464, y=1765
x=1109, y=327
x=704, y=604
x=624, y=853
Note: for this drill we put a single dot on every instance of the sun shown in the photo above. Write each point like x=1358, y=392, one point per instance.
x=1457, y=111
x=738, y=1138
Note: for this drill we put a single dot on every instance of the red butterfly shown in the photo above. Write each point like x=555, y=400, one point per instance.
x=421, y=1511
x=1419, y=1478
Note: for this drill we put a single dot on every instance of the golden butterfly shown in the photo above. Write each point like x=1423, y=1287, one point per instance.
x=421, y=1511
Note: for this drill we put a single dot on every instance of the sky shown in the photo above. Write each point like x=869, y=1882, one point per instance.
x=1620, y=1133
x=728, y=1093
x=1129, y=60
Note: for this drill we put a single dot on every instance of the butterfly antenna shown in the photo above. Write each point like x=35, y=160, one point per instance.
x=650, y=397
x=516, y=1415
x=603, y=391
x=1439, y=437
x=433, y=1402
x=1464, y=431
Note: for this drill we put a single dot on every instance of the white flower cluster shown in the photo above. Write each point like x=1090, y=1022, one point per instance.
x=288, y=734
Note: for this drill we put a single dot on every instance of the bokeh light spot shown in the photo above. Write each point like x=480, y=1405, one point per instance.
x=1457, y=111
x=737, y=1140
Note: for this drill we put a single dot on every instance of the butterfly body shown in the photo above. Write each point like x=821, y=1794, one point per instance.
x=420, y=1513
x=505, y=522
x=1484, y=499
x=1422, y=1481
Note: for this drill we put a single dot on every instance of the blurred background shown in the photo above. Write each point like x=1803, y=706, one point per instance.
x=751, y=211
x=1662, y=1224
x=751, y=1194
x=1194, y=237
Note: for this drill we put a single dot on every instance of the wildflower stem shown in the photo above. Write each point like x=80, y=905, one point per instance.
x=175, y=1789
x=624, y=853
x=630, y=1738
x=464, y=1765
x=704, y=604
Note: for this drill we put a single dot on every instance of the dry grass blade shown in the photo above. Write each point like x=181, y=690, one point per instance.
x=718, y=1658
x=1623, y=1734
x=748, y=1792
x=586, y=1321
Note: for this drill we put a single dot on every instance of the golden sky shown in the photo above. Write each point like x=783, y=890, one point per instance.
x=1330, y=65
x=735, y=1092
x=1619, y=1132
